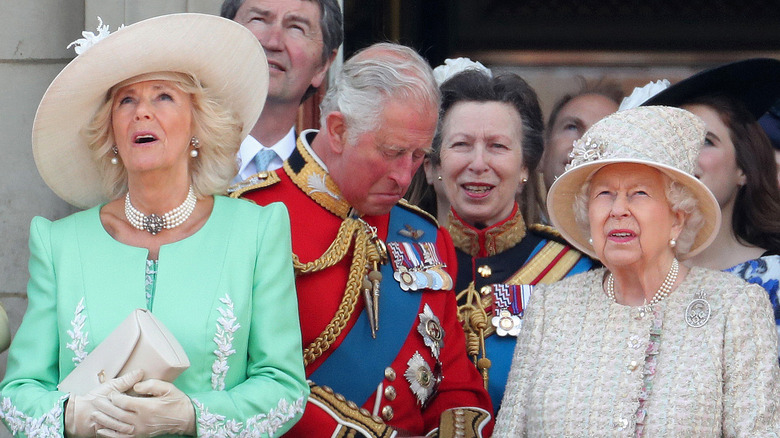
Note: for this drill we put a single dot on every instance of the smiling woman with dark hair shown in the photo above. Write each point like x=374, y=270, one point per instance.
x=486, y=150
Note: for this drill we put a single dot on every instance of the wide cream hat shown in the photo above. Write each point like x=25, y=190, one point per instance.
x=665, y=138
x=222, y=54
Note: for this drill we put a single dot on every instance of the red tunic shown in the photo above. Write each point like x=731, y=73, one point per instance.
x=314, y=228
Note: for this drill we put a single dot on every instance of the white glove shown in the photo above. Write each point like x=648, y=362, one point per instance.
x=80, y=409
x=160, y=409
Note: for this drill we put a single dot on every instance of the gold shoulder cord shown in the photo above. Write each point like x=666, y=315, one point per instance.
x=475, y=323
x=333, y=255
x=474, y=318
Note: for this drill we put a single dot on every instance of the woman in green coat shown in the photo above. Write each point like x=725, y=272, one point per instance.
x=142, y=129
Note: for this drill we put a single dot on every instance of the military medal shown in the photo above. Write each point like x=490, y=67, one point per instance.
x=431, y=331
x=509, y=304
x=507, y=324
x=698, y=311
x=417, y=266
x=422, y=380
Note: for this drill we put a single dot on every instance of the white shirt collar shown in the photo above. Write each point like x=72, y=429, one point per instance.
x=250, y=147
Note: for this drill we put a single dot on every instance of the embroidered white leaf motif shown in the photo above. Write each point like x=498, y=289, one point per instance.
x=45, y=426
x=317, y=184
x=226, y=327
x=78, y=336
x=215, y=425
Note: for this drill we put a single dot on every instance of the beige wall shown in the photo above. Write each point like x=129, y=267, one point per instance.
x=33, y=37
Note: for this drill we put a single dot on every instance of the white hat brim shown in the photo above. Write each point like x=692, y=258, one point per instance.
x=222, y=54
x=560, y=203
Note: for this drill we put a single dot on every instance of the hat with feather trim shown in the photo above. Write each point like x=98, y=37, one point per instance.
x=223, y=55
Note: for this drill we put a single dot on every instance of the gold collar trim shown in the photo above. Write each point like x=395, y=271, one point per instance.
x=309, y=176
x=489, y=241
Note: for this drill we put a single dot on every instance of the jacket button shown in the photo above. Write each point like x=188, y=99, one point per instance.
x=485, y=271
x=390, y=393
x=387, y=413
x=389, y=374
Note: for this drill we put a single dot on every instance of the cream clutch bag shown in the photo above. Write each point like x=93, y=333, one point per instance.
x=140, y=341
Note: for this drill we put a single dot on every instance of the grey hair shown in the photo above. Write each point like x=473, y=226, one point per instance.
x=331, y=22
x=373, y=76
x=678, y=196
x=217, y=128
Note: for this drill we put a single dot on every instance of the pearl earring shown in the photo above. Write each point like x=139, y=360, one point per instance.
x=590, y=241
x=115, y=159
x=195, y=143
x=672, y=243
x=439, y=177
x=524, y=180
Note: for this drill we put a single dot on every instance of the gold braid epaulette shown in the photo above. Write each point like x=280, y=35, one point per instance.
x=409, y=206
x=545, y=229
x=334, y=254
x=259, y=180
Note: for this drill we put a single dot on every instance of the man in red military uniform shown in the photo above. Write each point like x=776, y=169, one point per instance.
x=384, y=350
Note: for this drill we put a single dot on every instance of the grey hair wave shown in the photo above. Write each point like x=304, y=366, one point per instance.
x=374, y=76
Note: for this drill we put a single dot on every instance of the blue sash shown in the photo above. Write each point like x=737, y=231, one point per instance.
x=357, y=366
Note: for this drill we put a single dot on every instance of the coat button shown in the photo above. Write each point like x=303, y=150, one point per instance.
x=486, y=290
x=389, y=374
x=390, y=393
x=485, y=271
x=387, y=413
x=620, y=423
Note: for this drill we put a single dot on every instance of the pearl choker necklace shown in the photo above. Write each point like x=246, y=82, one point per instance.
x=663, y=291
x=153, y=223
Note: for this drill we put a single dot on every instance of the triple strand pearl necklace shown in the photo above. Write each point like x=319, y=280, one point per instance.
x=663, y=291
x=153, y=223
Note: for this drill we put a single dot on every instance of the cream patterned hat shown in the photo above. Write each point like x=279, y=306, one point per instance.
x=665, y=138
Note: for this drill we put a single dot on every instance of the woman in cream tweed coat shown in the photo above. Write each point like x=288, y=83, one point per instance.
x=645, y=346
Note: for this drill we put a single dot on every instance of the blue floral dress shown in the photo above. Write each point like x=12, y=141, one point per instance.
x=765, y=272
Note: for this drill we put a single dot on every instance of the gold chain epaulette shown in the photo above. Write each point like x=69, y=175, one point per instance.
x=256, y=181
x=335, y=252
x=338, y=249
